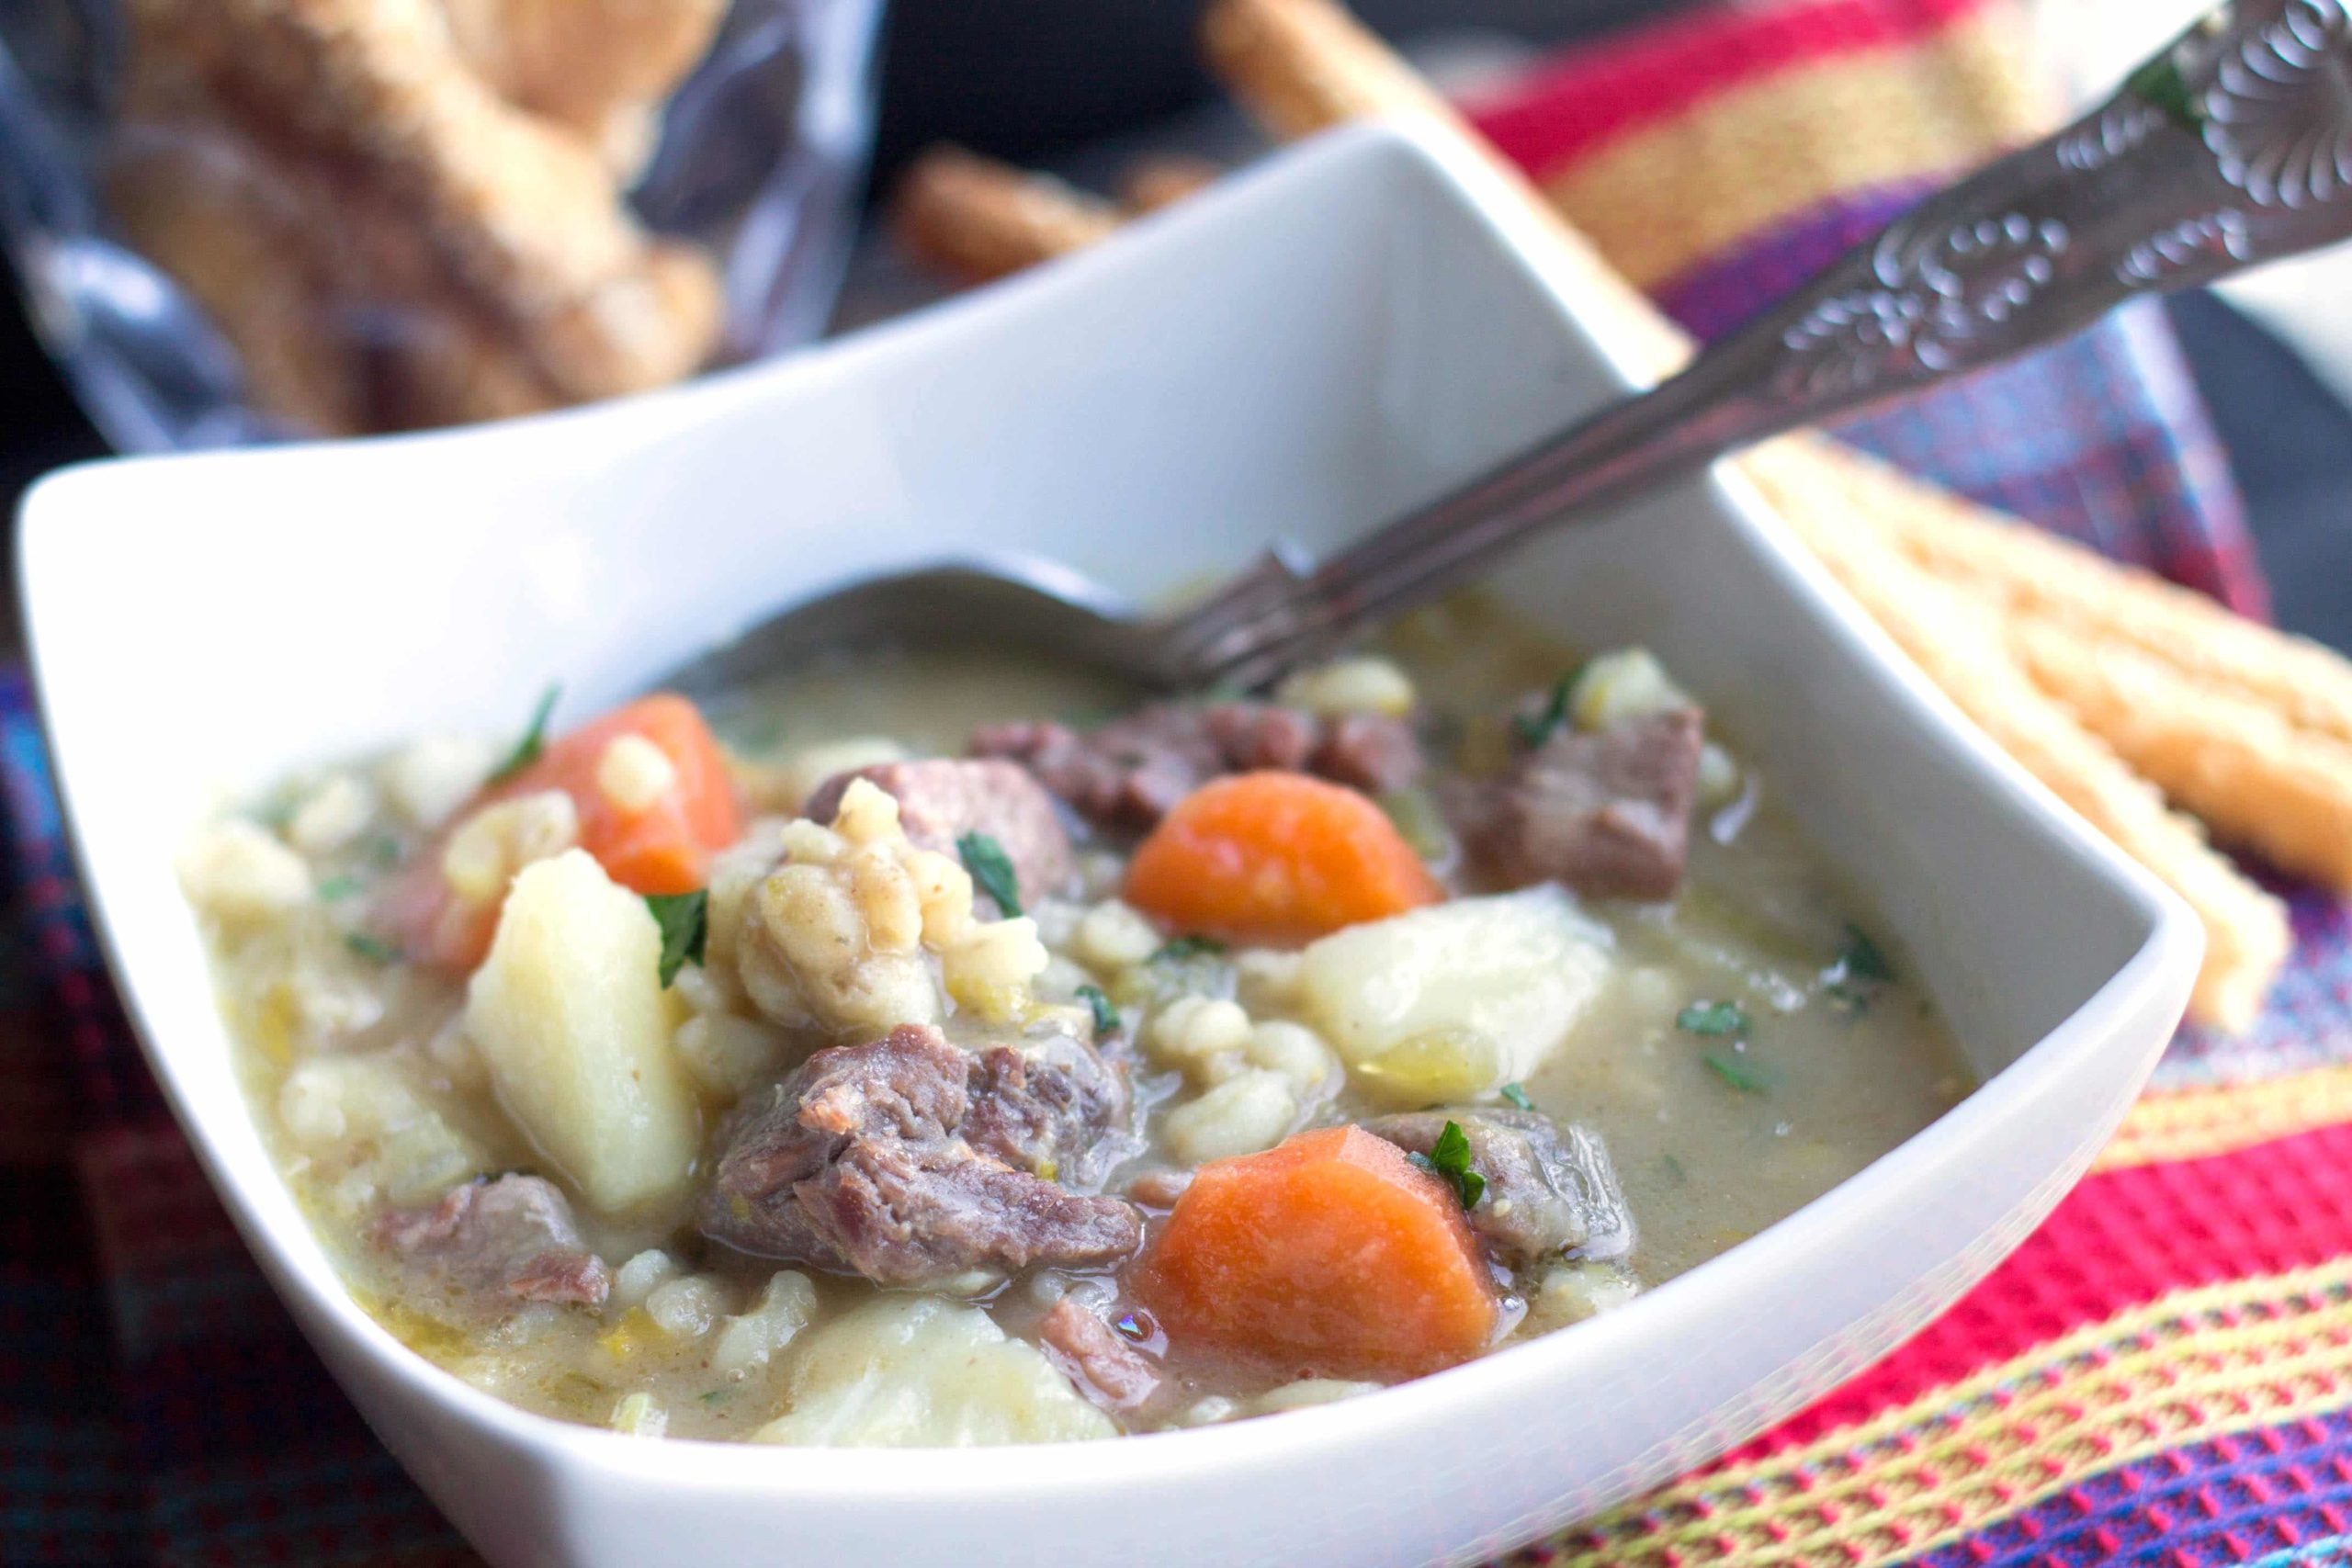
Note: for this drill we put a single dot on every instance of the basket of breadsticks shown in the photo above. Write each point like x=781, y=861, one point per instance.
x=244, y=220
x=2213, y=749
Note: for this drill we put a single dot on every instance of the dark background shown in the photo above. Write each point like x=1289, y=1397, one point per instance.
x=1032, y=79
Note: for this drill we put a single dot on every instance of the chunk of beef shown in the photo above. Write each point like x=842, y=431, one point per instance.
x=942, y=799
x=512, y=1237
x=1106, y=1368
x=1550, y=1191
x=910, y=1160
x=1607, y=812
x=1130, y=772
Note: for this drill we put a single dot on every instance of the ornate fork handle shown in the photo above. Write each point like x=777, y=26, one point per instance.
x=2231, y=147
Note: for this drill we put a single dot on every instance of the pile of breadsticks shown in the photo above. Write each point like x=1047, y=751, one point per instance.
x=404, y=213
x=2135, y=701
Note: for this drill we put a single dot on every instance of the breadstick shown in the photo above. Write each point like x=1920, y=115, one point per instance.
x=519, y=215
x=2233, y=761
x=977, y=219
x=1165, y=179
x=2019, y=566
x=597, y=65
x=1302, y=65
x=1958, y=644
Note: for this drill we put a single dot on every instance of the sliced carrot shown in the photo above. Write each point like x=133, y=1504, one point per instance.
x=1331, y=1256
x=664, y=847
x=1276, y=858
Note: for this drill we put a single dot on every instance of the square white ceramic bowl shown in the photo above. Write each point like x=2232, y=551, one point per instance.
x=1342, y=334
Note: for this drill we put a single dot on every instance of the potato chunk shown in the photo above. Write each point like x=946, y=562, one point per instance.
x=906, y=1372
x=569, y=1015
x=1454, y=1000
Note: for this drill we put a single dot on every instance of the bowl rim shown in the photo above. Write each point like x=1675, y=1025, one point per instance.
x=324, y=1306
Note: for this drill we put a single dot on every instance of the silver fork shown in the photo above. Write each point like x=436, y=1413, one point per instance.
x=2231, y=147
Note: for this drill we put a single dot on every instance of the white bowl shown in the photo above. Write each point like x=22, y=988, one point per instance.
x=1343, y=333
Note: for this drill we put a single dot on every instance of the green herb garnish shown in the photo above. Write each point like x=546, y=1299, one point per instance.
x=1449, y=1161
x=1861, y=959
x=337, y=887
x=716, y=1395
x=1106, y=1016
x=1674, y=1171
x=535, y=739
x=1187, y=947
x=1745, y=1076
x=1533, y=730
x=384, y=850
x=1518, y=1096
x=991, y=869
x=374, y=948
x=1861, y=968
x=1714, y=1019
x=684, y=920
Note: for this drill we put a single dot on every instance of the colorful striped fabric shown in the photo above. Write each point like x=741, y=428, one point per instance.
x=2160, y=1375
x=2163, y=1373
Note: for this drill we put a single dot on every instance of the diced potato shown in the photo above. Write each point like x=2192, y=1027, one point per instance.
x=568, y=1014
x=910, y=1371
x=1628, y=683
x=1456, y=999
x=1367, y=683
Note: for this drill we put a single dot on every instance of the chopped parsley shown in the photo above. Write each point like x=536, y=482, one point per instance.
x=1185, y=948
x=534, y=739
x=373, y=948
x=1449, y=1161
x=1746, y=1076
x=1533, y=730
x=684, y=920
x=1852, y=981
x=1518, y=1096
x=1714, y=1019
x=1106, y=1016
x=1674, y=1171
x=384, y=850
x=991, y=870
x=716, y=1395
x=336, y=888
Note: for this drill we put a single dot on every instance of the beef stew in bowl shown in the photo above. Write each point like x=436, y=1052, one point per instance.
x=930, y=1049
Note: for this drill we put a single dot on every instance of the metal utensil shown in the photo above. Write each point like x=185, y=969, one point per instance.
x=2231, y=147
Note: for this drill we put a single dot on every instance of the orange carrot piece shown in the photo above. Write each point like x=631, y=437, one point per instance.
x=664, y=848
x=1331, y=1256
x=1276, y=857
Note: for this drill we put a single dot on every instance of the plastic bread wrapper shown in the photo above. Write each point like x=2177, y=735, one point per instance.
x=246, y=221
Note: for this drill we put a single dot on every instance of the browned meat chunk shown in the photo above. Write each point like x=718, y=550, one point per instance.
x=1550, y=1191
x=1606, y=813
x=942, y=799
x=1106, y=1368
x=1130, y=772
x=910, y=1160
x=511, y=1238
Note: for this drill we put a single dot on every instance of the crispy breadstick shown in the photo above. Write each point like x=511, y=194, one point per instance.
x=2019, y=566
x=1959, y=644
x=2233, y=761
x=977, y=219
x=1302, y=65
x=521, y=217
x=196, y=205
x=595, y=65
x=1165, y=179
